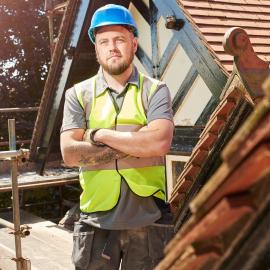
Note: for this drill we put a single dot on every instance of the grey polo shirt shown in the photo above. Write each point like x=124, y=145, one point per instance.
x=131, y=211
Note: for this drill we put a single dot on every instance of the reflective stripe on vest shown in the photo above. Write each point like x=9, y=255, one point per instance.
x=145, y=176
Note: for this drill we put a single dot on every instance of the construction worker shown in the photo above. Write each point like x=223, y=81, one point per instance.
x=117, y=127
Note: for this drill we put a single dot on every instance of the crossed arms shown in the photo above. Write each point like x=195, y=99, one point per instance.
x=152, y=140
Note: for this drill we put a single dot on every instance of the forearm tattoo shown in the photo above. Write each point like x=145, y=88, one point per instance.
x=102, y=156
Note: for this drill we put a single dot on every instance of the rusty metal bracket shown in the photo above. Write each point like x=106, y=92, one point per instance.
x=23, y=231
x=173, y=23
x=24, y=263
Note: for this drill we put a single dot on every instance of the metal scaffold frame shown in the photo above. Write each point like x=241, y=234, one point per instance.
x=19, y=231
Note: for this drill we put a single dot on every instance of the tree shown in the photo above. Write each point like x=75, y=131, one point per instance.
x=24, y=59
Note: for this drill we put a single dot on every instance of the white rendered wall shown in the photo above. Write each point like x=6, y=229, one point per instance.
x=193, y=104
x=164, y=36
x=176, y=70
x=139, y=65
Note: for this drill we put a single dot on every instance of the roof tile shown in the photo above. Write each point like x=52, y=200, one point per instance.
x=215, y=17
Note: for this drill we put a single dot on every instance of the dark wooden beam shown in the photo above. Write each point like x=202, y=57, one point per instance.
x=154, y=38
x=211, y=105
x=145, y=60
x=142, y=8
x=167, y=55
x=185, y=138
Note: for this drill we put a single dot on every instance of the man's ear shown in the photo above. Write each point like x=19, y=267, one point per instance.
x=135, y=44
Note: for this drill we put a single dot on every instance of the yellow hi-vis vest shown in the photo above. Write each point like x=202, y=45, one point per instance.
x=144, y=176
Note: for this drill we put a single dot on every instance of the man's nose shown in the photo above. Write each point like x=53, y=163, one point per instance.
x=112, y=45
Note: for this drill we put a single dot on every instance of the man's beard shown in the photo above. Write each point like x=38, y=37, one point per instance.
x=116, y=68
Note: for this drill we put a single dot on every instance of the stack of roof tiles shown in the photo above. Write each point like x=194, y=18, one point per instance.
x=213, y=18
x=231, y=213
x=229, y=218
x=216, y=126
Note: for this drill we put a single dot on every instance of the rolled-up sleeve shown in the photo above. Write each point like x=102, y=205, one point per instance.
x=73, y=115
x=160, y=104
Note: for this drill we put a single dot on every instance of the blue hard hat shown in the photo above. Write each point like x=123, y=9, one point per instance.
x=111, y=15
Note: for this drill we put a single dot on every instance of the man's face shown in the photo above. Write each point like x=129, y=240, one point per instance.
x=115, y=48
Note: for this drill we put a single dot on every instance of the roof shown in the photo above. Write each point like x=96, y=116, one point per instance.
x=214, y=17
x=237, y=102
x=226, y=207
x=231, y=213
x=223, y=122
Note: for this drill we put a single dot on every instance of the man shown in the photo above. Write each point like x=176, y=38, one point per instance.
x=117, y=127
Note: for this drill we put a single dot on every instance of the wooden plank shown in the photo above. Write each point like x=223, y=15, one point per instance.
x=41, y=185
x=6, y=143
x=17, y=110
x=266, y=87
x=48, y=246
x=32, y=180
x=176, y=201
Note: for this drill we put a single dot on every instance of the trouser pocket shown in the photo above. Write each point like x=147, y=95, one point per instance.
x=82, y=244
x=158, y=238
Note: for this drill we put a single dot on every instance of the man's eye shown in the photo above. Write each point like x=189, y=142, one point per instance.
x=120, y=40
x=103, y=42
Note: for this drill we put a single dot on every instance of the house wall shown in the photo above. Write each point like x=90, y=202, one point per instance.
x=178, y=64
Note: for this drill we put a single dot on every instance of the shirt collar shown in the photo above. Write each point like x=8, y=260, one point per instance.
x=102, y=85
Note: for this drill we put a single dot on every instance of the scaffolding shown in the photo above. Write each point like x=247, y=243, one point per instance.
x=19, y=231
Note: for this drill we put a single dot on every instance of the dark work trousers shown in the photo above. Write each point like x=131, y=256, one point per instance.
x=135, y=249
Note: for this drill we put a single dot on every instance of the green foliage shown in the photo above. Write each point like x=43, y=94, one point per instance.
x=24, y=60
